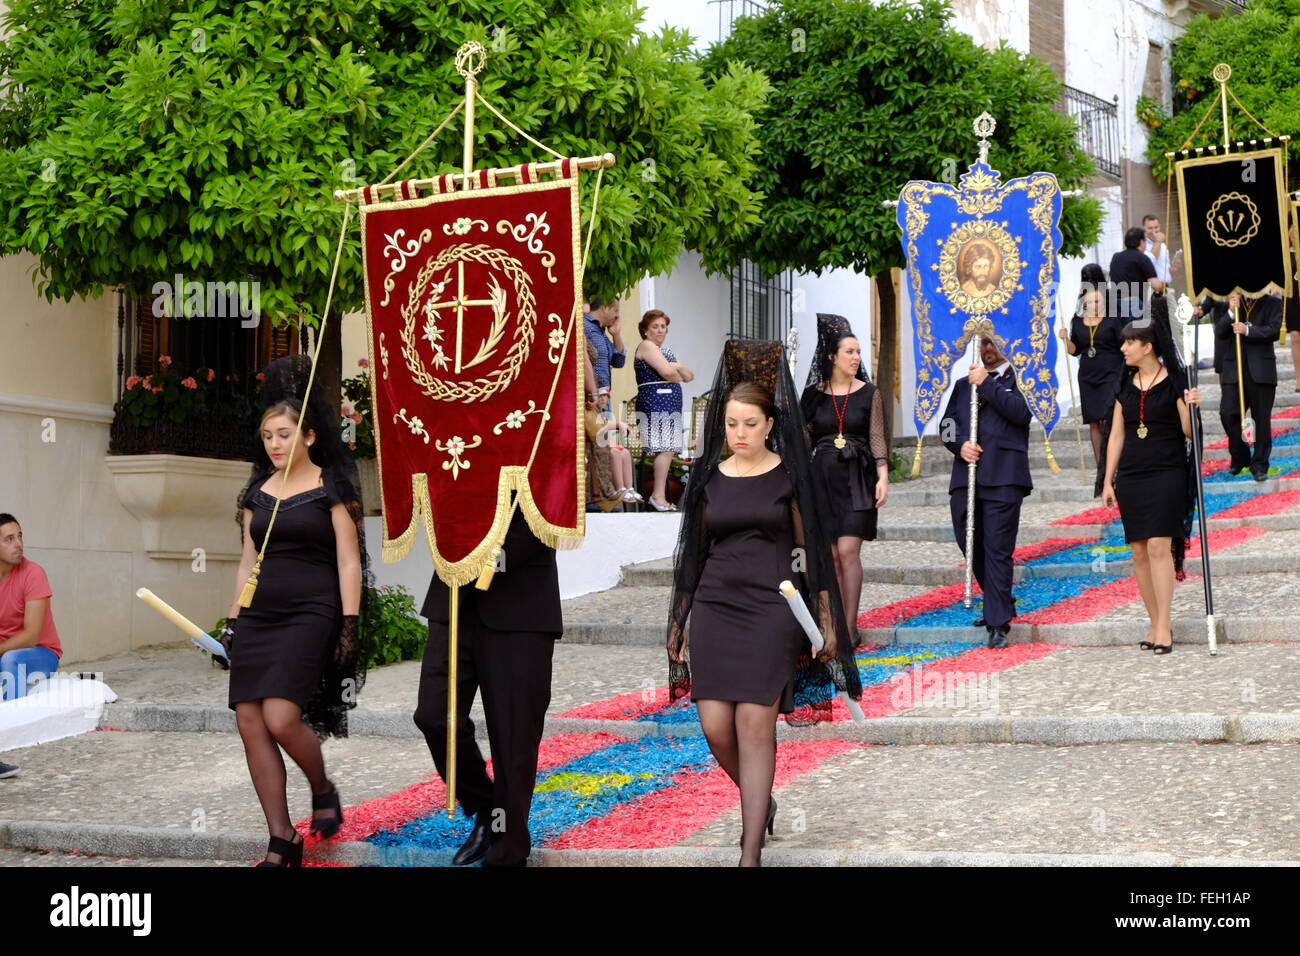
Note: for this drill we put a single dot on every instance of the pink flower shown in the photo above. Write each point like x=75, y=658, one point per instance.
x=363, y=363
x=347, y=410
x=157, y=389
x=190, y=383
x=148, y=383
x=133, y=381
x=164, y=360
x=211, y=375
x=261, y=376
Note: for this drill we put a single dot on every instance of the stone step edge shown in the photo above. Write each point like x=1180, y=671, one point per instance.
x=237, y=846
x=1275, y=630
x=659, y=573
x=902, y=731
x=938, y=575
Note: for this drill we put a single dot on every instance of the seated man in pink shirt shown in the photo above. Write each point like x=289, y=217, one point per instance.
x=29, y=643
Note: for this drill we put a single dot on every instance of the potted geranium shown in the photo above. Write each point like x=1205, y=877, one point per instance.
x=180, y=412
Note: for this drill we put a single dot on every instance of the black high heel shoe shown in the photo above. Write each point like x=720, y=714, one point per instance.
x=290, y=852
x=326, y=827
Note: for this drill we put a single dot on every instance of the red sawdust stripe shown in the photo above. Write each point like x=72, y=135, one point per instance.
x=1277, y=433
x=1222, y=538
x=691, y=801
x=890, y=614
x=1096, y=601
x=1040, y=549
x=631, y=706
x=1097, y=515
x=1275, y=502
x=900, y=692
x=384, y=813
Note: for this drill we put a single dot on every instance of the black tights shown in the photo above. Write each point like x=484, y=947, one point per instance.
x=265, y=726
x=742, y=738
x=848, y=572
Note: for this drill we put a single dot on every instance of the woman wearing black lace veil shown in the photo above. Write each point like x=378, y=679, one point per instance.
x=296, y=660
x=748, y=523
x=1148, y=464
x=850, y=440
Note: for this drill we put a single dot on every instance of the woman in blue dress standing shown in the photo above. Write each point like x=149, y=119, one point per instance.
x=659, y=378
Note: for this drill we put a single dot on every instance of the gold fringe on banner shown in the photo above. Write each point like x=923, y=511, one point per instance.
x=916, y=460
x=1051, y=459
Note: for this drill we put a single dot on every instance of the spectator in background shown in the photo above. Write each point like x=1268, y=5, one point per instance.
x=659, y=378
x=29, y=642
x=602, y=317
x=1157, y=250
x=1131, y=272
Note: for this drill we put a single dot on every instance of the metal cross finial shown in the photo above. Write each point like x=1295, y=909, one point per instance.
x=984, y=126
x=470, y=59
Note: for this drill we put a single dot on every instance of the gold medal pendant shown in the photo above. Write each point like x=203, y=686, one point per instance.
x=1142, y=430
x=839, y=441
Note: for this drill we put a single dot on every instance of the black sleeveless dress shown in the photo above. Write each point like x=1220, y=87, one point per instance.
x=847, y=476
x=744, y=640
x=283, y=641
x=1151, y=480
x=1099, y=375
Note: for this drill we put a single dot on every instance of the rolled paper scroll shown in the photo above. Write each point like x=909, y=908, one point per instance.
x=195, y=633
x=805, y=620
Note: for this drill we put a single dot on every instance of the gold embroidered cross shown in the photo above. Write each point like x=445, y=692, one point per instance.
x=460, y=303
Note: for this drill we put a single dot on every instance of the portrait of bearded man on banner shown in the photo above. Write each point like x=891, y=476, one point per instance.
x=980, y=269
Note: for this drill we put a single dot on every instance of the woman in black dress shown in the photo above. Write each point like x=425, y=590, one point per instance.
x=850, y=446
x=748, y=525
x=1146, y=468
x=294, y=652
x=1094, y=336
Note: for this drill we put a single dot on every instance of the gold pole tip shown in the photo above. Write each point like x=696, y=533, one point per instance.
x=608, y=159
x=1221, y=73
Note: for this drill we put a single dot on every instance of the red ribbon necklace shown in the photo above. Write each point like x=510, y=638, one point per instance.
x=839, y=413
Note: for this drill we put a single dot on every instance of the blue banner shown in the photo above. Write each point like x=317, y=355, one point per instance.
x=981, y=259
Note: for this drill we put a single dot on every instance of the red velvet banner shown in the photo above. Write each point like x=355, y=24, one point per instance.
x=474, y=331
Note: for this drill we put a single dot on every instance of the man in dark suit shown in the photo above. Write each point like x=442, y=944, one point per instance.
x=1258, y=321
x=1001, y=478
x=507, y=636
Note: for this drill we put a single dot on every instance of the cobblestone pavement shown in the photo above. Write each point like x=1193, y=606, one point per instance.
x=186, y=781
x=1126, y=681
x=56, y=858
x=1198, y=800
x=179, y=675
x=1273, y=594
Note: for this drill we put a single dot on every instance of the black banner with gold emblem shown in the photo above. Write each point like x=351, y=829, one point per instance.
x=1234, y=220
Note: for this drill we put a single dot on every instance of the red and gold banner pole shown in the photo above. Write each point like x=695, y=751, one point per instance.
x=470, y=59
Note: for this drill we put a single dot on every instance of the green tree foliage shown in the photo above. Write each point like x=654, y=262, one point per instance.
x=867, y=96
x=1262, y=45
x=143, y=138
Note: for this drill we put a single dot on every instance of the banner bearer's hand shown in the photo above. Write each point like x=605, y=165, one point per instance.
x=977, y=375
x=970, y=453
x=1241, y=328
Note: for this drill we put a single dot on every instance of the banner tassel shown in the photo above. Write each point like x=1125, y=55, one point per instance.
x=1051, y=459
x=916, y=460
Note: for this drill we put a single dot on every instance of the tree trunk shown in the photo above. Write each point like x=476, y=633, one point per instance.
x=888, y=344
x=330, y=373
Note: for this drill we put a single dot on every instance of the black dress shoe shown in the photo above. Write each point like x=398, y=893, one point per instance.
x=1259, y=474
x=475, y=846
x=978, y=622
x=1236, y=469
x=998, y=636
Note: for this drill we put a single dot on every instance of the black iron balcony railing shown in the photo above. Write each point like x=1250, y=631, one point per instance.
x=1098, y=127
